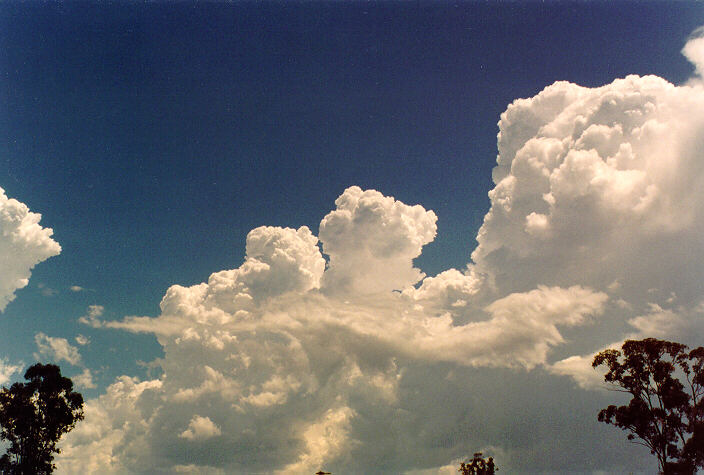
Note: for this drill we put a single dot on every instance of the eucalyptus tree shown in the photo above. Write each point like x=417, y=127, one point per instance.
x=33, y=417
x=666, y=412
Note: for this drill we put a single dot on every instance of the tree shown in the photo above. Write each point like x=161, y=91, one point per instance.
x=33, y=417
x=666, y=411
x=478, y=466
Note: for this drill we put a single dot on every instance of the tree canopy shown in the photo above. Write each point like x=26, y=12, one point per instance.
x=33, y=417
x=666, y=411
x=478, y=466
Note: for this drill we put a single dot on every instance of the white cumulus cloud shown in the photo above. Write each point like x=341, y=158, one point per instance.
x=593, y=235
x=372, y=240
x=7, y=369
x=56, y=349
x=318, y=355
x=23, y=244
x=84, y=379
x=694, y=51
x=200, y=428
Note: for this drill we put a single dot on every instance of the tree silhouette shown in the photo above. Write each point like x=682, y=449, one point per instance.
x=33, y=417
x=478, y=466
x=666, y=412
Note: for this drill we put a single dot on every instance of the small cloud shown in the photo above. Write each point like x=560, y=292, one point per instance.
x=84, y=380
x=579, y=367
x=694, y=50
x=82, y=340
x=47, y=291
x=7, y=370
x=92, y=317
x=76, y=288
x=614, y=286
x=200, y=428
x=56, y=349
x=658, y=323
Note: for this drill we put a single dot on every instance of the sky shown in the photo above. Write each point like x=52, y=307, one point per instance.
x=363, y=237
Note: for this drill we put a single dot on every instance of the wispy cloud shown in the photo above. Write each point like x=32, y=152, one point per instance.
x=47, y=291
x=92, y=317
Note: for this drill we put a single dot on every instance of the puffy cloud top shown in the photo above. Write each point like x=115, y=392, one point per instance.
x=598, y=185
x=372, y=240
x=200, y=428
x=23, y=244
x=278, y=260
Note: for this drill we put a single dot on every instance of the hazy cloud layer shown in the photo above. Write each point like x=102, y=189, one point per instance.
x=593, y=235
x=23, y=244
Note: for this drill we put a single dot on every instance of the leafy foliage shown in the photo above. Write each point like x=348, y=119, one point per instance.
x=33, y=417
x=666, y=412
x=478, y=466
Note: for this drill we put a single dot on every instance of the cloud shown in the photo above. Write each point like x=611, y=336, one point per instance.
x=23, y=244
x=593, y=235
x=372, y=240
x=579, y=368
x=92, y=317
x=82, y=340
x=7, y=369
x=677, y=324
x=600, y=180
x=694, y=51
x=324, y=439
x=114, y=428
x=319, y=356
x=56, y=349
x=200, y=428
x=84, y=379
x=47, y=291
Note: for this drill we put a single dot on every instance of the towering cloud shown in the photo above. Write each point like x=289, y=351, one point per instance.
x=596, y=186
x=285, y=364
x=308, y=362
x=23, y=244
x=372, y=240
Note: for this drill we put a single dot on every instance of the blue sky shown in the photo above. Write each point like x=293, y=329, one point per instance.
x=153, y=137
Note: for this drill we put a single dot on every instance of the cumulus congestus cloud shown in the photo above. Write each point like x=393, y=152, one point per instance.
x=596, y=186
x=276, y=353
x=313, y=351
x=23, y=244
